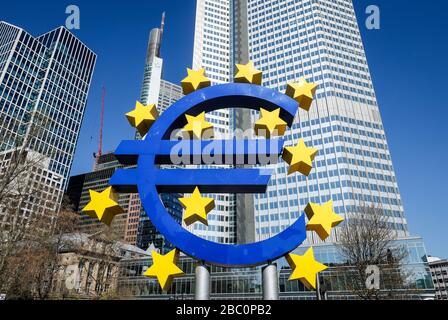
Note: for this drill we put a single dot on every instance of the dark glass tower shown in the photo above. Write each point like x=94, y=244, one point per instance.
x=44, y=83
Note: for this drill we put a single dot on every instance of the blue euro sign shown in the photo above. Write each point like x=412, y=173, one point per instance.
x=148, y=180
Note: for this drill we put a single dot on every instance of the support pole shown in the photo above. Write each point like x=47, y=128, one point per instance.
x=270, y=282
x=202, y=291
x=318, y=296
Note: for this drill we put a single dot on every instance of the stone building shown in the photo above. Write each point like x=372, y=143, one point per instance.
x=439, y=273
x=88, y=267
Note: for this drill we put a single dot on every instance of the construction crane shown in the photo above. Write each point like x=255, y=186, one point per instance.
x=100, y=142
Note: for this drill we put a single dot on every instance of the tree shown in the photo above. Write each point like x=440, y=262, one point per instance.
x=18, y=162
x=27, y=203
x=32, y=241
x=366, y=241
x=15, y=169
x=31, y=263
x=18, y=189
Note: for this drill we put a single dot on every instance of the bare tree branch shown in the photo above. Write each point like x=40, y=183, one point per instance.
x=366, y=239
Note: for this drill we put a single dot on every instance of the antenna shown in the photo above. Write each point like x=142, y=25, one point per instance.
x=162, y=24
x=100, y=144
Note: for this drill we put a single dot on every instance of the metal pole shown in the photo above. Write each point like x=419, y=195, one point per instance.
x=270, y=282
x=202, y=291
x=318, y=297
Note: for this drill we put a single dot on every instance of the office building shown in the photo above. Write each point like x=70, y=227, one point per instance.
x=213, y=50
x=246, y=283
x=132, y=226
x=44, y=84
x=98, y=180
x=155, y=90
x=318, y=40
x=287, y=40
x=148, y=235
x=124, y=227
x=439, y=273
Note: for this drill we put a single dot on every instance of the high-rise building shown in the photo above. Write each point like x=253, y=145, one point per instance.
x=318, y=40
x=155, y=90
x=212, y=50
x=132, y=226
x=287, y=40
x=98, y=180
x=44, y=83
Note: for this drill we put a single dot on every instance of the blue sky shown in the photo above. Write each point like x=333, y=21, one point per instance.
x=407, y=59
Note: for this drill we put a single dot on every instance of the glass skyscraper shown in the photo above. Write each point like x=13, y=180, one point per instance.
x=155, y=90
x=212, y=51
x=44, y=83
x=318, y=40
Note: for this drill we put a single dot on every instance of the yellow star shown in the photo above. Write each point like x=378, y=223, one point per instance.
x=194, y=81
x=103, y=205
x=270, y=123
x=305, y=268
x=303, y=92
x=142, y=117
x=300, y=158
x=164, y=268
x=196, y=126
x=321, y=218
x=246, y=73
x=197, y=207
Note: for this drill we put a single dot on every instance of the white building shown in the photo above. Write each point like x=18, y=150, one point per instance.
x=155, y=90
x=318, y=40
x=212, y=51
x=439, y=274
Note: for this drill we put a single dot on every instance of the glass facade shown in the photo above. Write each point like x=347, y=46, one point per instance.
x=318, y=40
x=98, y=180
x=246, y=283
x=44, y=83
x=212, y=51
x=140, y=230
x=287, y=40
x=147, y=233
